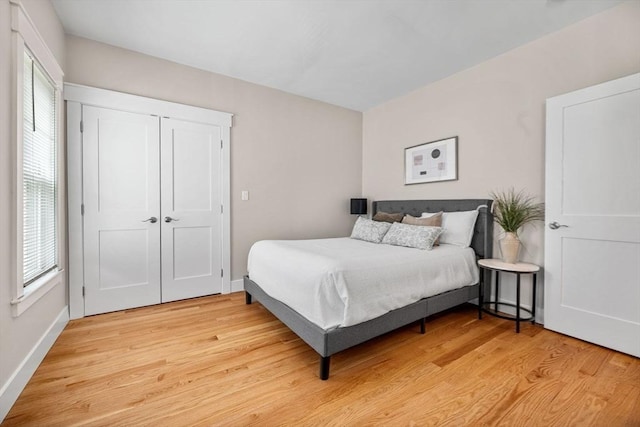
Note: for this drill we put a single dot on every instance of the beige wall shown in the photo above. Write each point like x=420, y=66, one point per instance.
x=19, y=335
x=497, y=109
x=301, y=160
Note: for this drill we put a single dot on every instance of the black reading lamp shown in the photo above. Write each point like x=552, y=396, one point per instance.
x=358, y=206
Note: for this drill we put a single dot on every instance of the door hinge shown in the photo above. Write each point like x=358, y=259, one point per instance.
x=221, y=208
x=81, y=126
x=82, y=209
x=221, y=144
x=221, y=273
x=83, y=291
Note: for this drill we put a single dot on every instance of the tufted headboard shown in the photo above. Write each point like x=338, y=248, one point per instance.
x=482, y=242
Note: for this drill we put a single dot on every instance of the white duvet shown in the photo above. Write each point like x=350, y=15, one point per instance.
x=343, y=281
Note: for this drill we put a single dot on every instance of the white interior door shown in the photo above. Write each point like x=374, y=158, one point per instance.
x=120, y=195
x=191, y=210
x=592, y=256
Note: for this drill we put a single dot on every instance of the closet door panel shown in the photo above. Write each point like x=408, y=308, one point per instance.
x=191, y=203
x=120, y=191
x=192, y=170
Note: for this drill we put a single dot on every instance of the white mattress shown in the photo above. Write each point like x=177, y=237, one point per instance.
x=343, y=281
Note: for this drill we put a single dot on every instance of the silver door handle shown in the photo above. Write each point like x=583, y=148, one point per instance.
x=169, y=219
x=554, y=225
x=152, y=220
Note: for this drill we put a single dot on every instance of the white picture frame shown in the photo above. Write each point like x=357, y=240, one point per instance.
x=433, y=161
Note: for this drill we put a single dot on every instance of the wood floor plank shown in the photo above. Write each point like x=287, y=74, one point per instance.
x=217, y=361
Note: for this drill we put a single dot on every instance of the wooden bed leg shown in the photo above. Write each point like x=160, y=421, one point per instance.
x=423, y=325
x=325, y=363
x=247, y=298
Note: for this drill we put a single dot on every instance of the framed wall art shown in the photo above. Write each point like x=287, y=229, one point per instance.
x=431, y=162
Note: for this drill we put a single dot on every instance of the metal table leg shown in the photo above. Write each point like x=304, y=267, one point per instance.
x=518, y=304
x=483, y=276
x=533, y=305
x=495, y=305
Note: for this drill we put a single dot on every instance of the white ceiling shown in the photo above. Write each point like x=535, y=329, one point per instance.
x=352, y=53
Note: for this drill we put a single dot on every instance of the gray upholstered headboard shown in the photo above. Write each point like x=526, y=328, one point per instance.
x=482, y=242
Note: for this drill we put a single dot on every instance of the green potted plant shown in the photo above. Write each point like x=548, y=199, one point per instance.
x=511, y=211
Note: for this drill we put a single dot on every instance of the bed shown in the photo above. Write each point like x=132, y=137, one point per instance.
x=332, y=328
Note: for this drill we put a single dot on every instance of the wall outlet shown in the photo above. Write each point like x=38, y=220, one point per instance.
x=245, y=195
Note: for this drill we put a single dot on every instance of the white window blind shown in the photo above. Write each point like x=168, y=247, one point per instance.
x=39, y=168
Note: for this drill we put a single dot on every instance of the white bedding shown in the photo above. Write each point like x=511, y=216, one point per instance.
x=343, y=281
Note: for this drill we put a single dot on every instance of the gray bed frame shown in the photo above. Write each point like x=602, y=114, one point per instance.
x=327, y=343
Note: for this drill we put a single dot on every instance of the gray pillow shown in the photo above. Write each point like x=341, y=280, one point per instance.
x=388, y=217
x=368, y=230
x=412, y=236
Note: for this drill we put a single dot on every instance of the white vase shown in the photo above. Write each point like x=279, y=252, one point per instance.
x=510, y=247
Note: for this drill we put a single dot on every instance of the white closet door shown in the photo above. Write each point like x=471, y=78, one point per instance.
x=191, y=204
x=592, y=240
x=120, y=194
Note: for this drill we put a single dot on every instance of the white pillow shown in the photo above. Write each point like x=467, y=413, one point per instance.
x=369, y=230
x=458, y=227
x=412, y=236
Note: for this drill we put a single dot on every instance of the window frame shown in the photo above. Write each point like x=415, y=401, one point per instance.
x=24, y=36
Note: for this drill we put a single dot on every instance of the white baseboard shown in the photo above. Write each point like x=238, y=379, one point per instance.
x=17, y=382
x=237, y=285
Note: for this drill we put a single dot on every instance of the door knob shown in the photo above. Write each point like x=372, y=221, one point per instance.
x=554, y=225
x=169, y=219
x=152, y=220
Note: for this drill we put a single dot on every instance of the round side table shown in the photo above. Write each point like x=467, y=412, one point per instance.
x=518, y=269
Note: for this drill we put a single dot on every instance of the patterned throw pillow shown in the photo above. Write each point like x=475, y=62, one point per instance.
x=370, y=231
x=434, y=220
x=412, y=236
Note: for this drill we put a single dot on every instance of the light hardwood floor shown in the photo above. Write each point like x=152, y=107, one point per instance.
x=217, y=361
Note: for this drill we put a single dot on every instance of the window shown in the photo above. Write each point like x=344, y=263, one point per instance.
x=36, y=93
x=39, y=173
